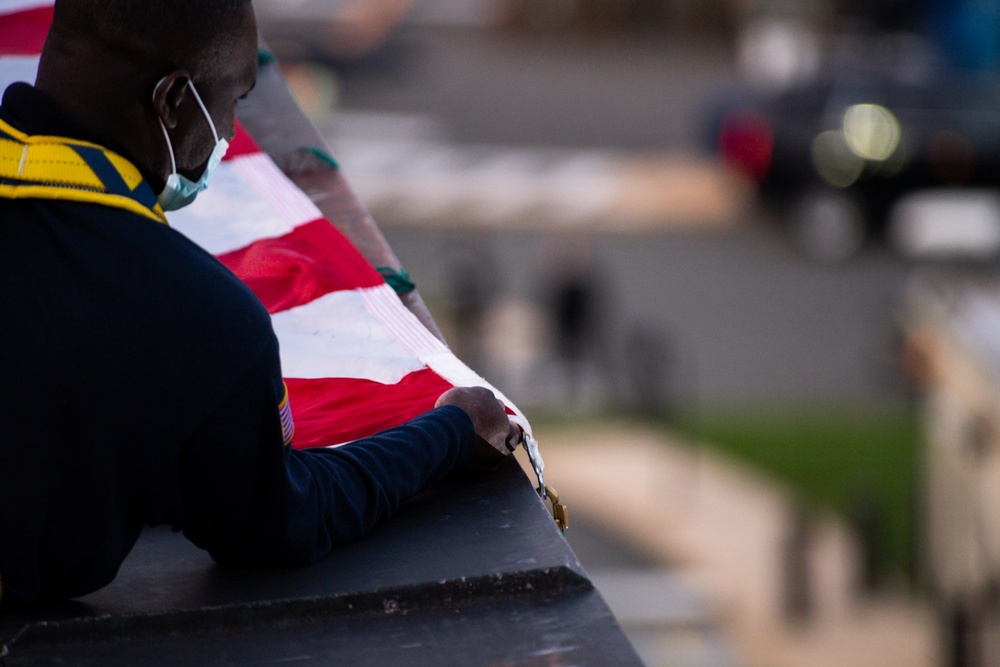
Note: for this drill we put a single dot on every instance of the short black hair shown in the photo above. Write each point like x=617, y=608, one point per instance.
x=182, y=33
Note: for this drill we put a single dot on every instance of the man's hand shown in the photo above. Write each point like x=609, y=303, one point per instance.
x=497, y=436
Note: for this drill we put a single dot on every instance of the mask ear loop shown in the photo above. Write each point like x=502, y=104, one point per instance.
x=170, y=146
x=204, y=110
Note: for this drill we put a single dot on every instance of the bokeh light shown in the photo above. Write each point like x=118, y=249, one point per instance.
x=835, y=161
x=872, y=131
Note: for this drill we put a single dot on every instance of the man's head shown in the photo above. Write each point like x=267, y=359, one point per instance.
x=121, y=68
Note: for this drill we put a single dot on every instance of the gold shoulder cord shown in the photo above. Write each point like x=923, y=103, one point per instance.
x=44, y=167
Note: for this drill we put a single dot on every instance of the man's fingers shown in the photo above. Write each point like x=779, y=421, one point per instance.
x=514, y=437
x=489, y=417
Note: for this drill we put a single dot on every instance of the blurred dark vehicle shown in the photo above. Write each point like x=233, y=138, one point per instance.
x=836, y=155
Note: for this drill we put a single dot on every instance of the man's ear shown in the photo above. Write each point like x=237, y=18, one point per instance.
x=168, y=95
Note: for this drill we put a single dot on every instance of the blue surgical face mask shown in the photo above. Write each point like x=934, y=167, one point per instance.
x=180, y=190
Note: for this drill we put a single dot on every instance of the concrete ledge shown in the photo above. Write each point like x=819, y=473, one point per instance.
x=470, y=568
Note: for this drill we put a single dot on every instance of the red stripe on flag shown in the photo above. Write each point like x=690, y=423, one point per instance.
x=335, y=410
x=310, y=261
x=23, y=33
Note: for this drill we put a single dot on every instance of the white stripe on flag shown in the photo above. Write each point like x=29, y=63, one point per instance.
x=336, y=336
x=230, y=214
x=11, y=6
x=17, y=68
x=268, y=205
x=264, y=176
x=383, y=303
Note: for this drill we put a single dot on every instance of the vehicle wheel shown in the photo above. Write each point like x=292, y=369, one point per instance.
x=828, y=227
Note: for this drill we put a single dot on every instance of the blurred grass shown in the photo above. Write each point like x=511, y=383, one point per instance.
x=858, y=461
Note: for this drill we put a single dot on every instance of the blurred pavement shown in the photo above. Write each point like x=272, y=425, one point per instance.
x=718, y=535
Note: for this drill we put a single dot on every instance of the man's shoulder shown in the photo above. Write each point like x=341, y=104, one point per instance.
x=189, y=281
x=134, y=266
x=154, y=318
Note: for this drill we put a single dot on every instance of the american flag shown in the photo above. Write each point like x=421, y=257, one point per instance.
x=355, y=360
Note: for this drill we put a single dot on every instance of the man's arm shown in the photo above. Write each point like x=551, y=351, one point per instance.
x=251, y=500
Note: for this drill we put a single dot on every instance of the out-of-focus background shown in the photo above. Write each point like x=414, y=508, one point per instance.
x=736, y=260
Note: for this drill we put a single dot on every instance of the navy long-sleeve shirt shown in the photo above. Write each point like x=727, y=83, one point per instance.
x=139, y=385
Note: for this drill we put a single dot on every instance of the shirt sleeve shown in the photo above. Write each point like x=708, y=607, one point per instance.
x=249, y=499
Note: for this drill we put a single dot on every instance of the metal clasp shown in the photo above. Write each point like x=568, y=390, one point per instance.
x=531, y=446
x=559, y=511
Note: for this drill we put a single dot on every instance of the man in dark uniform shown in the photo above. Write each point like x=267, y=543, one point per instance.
x=140, y=379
